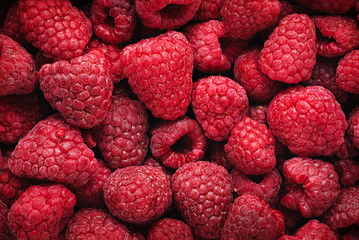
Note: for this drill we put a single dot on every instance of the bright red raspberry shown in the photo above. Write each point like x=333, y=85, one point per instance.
x=169, y=229
x=289, y=54
x=250, y=147
x=150, y=161
x=219, y=103
x=347, y=74
x=209, y=50
x=5, y=232
x=312, y=185
x=53, y=151
x=177, y=142
x=91, y=223
x=203, y=194
x=348, y=171
x=137, y=194
x=41, y=212
x=243, y=19
x=329, y=6
x=250, y=217
x=166, y=15
x=209, y=10
x=308, y=120
x=159, y=71
x=122, y=136
x=337, y=34
x=259, y=87
x=215, y=154
x=312, y=230
x=258, y=113
x=81, y=90
x=18, y=74
x=65, y=30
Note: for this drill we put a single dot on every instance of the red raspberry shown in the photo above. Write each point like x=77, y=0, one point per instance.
x=177, y=142
x=265, y=186
x=353, y=129
x=53, y=151
x=312, y=230
x=159, y=70
x=80, y=90
x=209, y=10
x=250, y=217
x=308, y=120
x=137, y=194
x=122, y=136
x=208, y=48
x=203, y=194
x=339, y=35
x=289, y=54
x=215, y=153
x=113, y=21
x=347, y=72
x=259, y=87
x=169, y=229
x=348, y=171
x=243, y=19
x=4, y=228
x=347, y=149
x=91, y=223
x=219, y=103
x=150, y=161
x=312, y=185
x=329, y=6
x=250, y=147
x=258, y=113
x=41, y=212
x=17, y=68
x=65, y=30
x=166, y=15
x=344, y=211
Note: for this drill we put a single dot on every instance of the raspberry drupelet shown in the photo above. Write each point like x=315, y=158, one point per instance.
x=169, y=229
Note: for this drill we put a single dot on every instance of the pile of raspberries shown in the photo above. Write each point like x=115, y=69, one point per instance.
x=179, y=119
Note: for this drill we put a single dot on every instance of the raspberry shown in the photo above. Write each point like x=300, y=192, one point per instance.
x=308, y=120
x=344, y=211
x=203, y=194
x=209, y=51
x=91, y=223
x=312, y=185
x=170, y=229
x=313, y=230
x=348, y=171
x=41, y=212
x=177, y=142
x=258, y=113
x=219, y=103
x=265, y=186
x=347, y=72
x=137, y=194
x=53, y=151
x=166, y=15
x=339, y=35
x=159, y=71
x=289, y=54
x=209, y=10
x=353, y=129
x=65, y=30
x=243, y=19
x=259, y=87
x=80, y=90
x=329, y=6
x=122, y=136
x=217, y=155
x=250, y=147
x=150, y=161
x=250, y=217
x=17, y=68
x=347, y=149
x=4, y=228
x=113, y=21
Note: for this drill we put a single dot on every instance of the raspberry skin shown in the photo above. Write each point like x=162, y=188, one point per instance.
x=166, y=15
x=65, y=30
x=159, y=71
x=208, y=10
x=250, y=217
x=215, y=154
x=122, y=136
x=177, y=142
x=347, y=72
x=53, y=150
x=17, y=68
x=312, y=230
x=137, y=194
x=219, y=103
x=312, y=185
x=329, y=6
x=150, y=161
x=289, y=54
x=353, y=129
x=170, y=229
x=347, y=149
x=338, y=35
x=41, y=212
x=250, y=148
x=243, y=19
x=259, y=87
x=308, y=120
x=258, y=113
x=91, y=223
x=348, y=171
x=81, y=90
x=5, y=232
x=203, y=194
